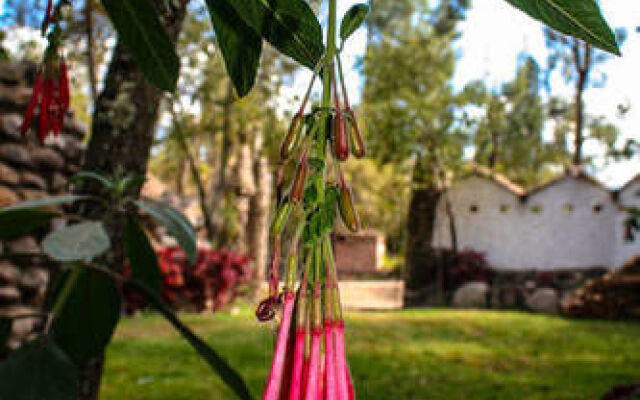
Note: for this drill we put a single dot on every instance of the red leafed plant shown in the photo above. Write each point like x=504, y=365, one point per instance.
x=211, y=283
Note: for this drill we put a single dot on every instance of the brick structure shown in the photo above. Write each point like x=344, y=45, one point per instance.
x=29, y=171
x=358, y=254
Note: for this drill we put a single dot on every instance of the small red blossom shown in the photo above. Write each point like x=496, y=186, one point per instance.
x=51, y=96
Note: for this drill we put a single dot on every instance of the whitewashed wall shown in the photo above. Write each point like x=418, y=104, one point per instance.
x=573, y=223
x=628, y=197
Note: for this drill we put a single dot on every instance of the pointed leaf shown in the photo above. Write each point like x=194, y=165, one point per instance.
x=20, y=222
x=86, y=175
x=579, y=18
x=25, y=217
x=215, y=361
x=81, y=242
x=44, y=202
x=240, y=45
x=289, y=25
x=177, y=225
x=86, y=323
x=140, y=30
x=142, y=257
x=38, y=370
x=352, y=20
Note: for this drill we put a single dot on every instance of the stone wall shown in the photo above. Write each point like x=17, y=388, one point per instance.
x=29, y=171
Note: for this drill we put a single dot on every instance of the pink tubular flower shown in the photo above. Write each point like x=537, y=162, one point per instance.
x=313, y=375
x=330, y=383
x=278, y=363
x=51, y=95
x=352, y=392
x=341, y=363
x=298, y=365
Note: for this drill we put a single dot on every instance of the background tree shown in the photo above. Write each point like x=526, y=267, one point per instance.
x=510, y=136
x=578, y=62
x=411, y=111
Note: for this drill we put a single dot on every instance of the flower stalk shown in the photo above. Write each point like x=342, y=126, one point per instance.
x=311, y=363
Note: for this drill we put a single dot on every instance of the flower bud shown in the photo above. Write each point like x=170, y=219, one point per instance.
x=358, y=147
x=297, y=187
x=280, y=220
x=347, y=209
x=292, y=138
x=340, y=138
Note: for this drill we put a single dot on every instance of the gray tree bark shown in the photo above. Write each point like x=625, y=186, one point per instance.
x=258, y=225
x=126, y=112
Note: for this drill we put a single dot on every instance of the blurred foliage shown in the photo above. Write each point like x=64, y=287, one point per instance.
x=382, y=194
x=510, y=136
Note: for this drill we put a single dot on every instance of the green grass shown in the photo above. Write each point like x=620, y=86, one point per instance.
x=408, y=355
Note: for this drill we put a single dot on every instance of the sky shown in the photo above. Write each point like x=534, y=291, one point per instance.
x=493, y=36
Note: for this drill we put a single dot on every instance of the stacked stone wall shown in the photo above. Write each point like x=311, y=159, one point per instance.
x=28, y=171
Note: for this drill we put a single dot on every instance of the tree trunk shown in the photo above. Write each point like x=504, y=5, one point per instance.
x=245, y=189
x=180, y=175
x=196, y=178
x=258, y=226
x=582, y=59
x=420, y=223
x=123, y=126
x=91, y=65
x=495, y=148
x=453, y=231
x=219, y=192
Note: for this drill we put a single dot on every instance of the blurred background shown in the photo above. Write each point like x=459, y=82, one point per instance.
x=500, y=201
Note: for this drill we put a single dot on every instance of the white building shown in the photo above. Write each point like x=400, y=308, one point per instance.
x=572, y=222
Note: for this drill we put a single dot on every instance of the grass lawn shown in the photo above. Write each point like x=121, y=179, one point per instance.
x=407, y=355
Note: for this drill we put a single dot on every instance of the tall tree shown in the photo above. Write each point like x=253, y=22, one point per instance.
x=126, y=112
x=411, y=111
x=579, y=63
x=510, y=136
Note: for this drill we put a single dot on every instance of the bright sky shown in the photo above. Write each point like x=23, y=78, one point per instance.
x=494, y=34
x=490, y=50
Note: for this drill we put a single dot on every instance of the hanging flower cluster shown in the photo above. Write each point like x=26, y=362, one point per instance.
x=51, y=88
x=310, y=360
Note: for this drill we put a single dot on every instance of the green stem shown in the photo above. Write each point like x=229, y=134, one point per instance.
x=63, y=296
x=326, y=94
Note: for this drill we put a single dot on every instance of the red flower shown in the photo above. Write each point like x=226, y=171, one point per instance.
x=278, y=366
x=51, y=94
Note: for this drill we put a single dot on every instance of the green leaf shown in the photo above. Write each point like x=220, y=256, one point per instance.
x=177, y=225
x=289, y=25
x=352, y=20
x=20, y=222
x=44, y=202
x=27, y=216
x=38, y=370
x=86, y=175
x=81, y=242
x=215, y=361
x=86, y=322
x=140, y=30
x=316, y=163
x=240, y=45
x=142, y=257
x=5, y=332
x=578, y=18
